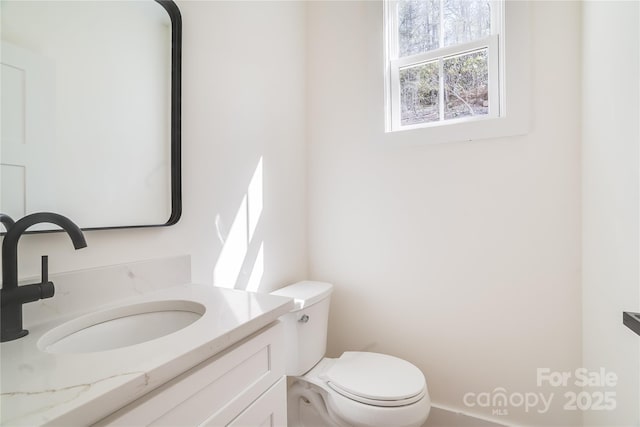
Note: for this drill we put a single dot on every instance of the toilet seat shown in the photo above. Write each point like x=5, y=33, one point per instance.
x=375, y=379
x=361, y=389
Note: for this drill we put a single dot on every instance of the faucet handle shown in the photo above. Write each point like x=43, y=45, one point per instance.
x=46, y=288
x=45, y=268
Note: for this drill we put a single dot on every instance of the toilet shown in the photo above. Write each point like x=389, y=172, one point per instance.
x=358, y=389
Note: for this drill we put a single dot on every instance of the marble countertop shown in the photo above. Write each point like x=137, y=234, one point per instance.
x=40, y=388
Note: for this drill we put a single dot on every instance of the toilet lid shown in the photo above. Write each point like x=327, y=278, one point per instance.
x=376, y=379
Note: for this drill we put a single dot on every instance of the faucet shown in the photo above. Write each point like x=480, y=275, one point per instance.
x=13, y=296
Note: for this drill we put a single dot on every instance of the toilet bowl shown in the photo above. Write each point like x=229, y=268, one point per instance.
x=358, y=389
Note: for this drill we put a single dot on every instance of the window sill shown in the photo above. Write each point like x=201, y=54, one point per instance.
x=459, y=131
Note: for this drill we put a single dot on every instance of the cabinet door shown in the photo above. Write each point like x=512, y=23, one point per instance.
x=269, y=410
x=217, y=390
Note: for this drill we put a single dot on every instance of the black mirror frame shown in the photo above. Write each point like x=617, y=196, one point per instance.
x=176, y=131
x=176, y=110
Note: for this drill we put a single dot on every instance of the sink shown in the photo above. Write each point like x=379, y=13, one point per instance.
x=121, y=326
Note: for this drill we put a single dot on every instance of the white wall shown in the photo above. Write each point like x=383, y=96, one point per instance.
x=243, y=100
x=611, y=134
x=463, y=258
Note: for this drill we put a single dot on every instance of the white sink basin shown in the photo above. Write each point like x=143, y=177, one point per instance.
x=121, y=326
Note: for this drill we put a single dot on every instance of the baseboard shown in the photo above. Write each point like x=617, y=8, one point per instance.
x=448, y=417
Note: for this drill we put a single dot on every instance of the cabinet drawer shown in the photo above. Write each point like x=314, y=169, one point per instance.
x=220, y=387
x=270, y=410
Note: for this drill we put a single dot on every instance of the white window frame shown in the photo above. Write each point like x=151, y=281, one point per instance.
x=508, y=85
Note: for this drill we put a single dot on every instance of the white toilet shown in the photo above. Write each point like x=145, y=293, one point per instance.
x=358, y=389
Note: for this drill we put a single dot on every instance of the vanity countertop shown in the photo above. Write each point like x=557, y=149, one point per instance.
x=40, y=388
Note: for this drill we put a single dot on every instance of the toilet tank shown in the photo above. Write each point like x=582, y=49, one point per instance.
x=306, y=325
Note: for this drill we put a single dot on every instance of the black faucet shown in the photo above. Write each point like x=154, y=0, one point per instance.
x=13, y=296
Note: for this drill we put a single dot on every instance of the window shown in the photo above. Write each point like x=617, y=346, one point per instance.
x=444, y=62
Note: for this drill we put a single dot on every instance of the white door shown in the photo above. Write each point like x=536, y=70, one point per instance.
x=27, y=147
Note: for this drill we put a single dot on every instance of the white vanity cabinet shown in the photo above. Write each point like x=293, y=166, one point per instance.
x=244, y=385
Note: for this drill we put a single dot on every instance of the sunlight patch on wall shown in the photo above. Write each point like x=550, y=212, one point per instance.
x=254, y=194
x=256, y=272
x=240, y=240
x=234, y=250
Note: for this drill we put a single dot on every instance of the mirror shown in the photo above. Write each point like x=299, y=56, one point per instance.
x=91, y=111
